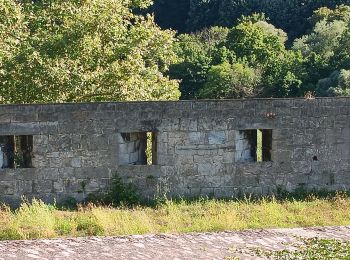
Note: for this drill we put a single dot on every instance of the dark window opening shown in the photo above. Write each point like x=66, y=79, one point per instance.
x=315, y=158
x=254, y=145
x=138, y=148
x=16, y=151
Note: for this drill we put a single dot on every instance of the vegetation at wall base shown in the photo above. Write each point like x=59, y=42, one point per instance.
x=117, y=194
x=36, y=219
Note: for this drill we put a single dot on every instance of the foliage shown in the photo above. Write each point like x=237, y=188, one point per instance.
x=283, y=76
x=258, y=42
x=337, y=84
x=118, y=193
x=340, y=13
x=290, y=15
x=31, y=219
x=341, y=58
x=230, y=81
x=324, y=38
x=76, y=51
x=197, y=52
x=73, y=51
x=209, y=58
x=12, y=28
x=314, y=248
x=38, y=220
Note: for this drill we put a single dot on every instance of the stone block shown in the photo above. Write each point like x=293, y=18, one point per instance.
x=209, y=169
x=7, y=187
x=188, y=124
x=165, y=159
x=217, y=137
x=42, y=186
x=194, y=137
x=93, y=185
x=58, y=187
x=76, y=162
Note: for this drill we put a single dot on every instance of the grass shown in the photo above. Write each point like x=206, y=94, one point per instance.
x=39, y=220
x=313, y=248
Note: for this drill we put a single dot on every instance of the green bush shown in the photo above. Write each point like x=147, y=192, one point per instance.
x=118, y=193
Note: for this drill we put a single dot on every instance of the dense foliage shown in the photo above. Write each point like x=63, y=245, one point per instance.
x=73, y=51
x=192, y=15
x=253, y=58
x=99, y=50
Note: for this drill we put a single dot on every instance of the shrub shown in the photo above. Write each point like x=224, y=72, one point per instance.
x=118, y=193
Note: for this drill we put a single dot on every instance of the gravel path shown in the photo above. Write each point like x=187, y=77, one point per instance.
x=223, y=245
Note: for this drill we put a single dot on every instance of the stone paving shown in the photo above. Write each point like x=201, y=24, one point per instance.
x=222, y=245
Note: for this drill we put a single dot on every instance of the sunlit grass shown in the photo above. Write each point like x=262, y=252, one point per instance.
x=39, y=220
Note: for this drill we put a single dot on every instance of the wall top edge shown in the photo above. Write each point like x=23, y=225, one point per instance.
x=176, y=102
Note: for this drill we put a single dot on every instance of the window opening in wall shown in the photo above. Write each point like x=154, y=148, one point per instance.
x=254, y=145
x=16, y=151
x=139, y=148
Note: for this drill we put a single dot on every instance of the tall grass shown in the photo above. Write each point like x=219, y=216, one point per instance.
x=39, y=220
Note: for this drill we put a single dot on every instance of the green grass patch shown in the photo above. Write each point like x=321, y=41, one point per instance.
x=313, y=248
x=39, y=220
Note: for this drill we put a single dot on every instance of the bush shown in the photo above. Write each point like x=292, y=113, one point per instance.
x=119, y=193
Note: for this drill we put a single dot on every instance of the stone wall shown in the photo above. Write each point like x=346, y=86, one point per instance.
x=77, y=148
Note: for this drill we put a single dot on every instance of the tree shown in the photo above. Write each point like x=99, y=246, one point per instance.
x=197, y=53
x=340, y=13
x=88, y=51
x=341, y=58
x=323, y=39
x=231, y=81
x=12, y=28
x=325, y=48
x=283, y=76
x=289, y=15
x=337, y=84
x=258, y=42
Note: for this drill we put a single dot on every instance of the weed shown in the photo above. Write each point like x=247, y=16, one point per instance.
x=118, y=193
x=314, y=248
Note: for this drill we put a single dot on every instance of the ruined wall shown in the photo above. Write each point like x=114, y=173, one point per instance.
x=199, y=145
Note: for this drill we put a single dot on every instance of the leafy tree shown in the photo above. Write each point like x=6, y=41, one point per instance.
x=87, y=51
x=340, y=13
x=230, y=81
x=197, y=53
x=337, y=84
x=341, y=58
x=258, y=42
x=193, y=66
x=12, y=28
x=289, y=15
x=283, y=76
x=325, y=47
x=323, y=39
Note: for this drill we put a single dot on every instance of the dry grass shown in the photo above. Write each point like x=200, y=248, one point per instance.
x=38, y=220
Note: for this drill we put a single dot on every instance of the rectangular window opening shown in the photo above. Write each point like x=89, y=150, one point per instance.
x=254, y=145
x=139, y=148
x=16, y=151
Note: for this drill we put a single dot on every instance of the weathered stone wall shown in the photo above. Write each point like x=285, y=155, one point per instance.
x=78, y=147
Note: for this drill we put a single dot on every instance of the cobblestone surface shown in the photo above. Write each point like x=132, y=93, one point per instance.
x=223, y=245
